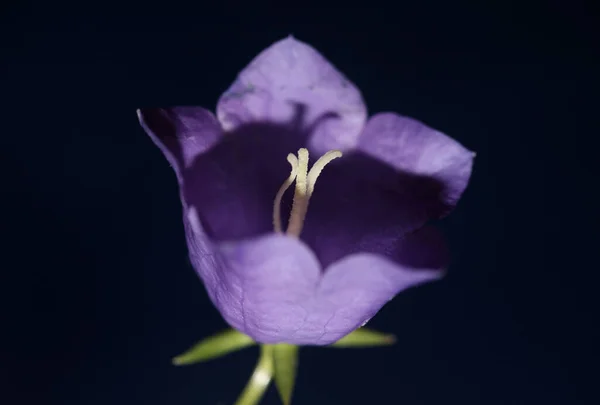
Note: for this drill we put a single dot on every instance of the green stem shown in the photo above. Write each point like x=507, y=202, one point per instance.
x=263, y=373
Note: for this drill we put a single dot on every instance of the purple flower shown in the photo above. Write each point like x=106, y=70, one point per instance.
x=357, y=233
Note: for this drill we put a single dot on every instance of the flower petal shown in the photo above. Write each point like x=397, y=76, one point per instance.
x=267, y=286
x=361, y=204
x=290, y=75
x=412, y=147
x=272, y=289
x=225, y=179
x=356, y=287
x=233, y=185
x=402, y=175
x=181, y=133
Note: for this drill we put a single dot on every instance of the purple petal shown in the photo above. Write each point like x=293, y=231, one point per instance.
x=272, y=289
x=403, y=175
x=266, y=287
x=355, y=288
x=181, y=133
x=227, y=180
x=412, y=147
x=290, y=75
x=233, y=185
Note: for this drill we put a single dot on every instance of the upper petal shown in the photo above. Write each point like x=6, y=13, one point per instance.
x=402, y=175
x=412, y=147
x=290, y=75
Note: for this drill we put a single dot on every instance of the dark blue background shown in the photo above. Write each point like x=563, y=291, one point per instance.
x=99, y=294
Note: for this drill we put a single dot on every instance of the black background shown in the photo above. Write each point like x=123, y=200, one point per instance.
x=98, y=293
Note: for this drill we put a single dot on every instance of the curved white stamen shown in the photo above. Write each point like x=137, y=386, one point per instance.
x=305, y=186
x=293, y=160
x=318, y=167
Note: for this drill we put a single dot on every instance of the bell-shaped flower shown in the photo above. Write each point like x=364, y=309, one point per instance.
x=310, y=265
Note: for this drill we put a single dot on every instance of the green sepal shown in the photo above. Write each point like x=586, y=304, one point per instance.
x=285, y=358
x=214, y=346
x=260, y=379
x=364, y=337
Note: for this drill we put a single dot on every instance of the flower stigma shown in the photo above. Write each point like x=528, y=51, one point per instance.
x=305, y=186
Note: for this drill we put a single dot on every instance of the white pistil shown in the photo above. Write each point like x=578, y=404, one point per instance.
x=305, y=185
x=300, y=204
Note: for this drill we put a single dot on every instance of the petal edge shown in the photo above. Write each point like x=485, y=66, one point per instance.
x=291, y=75
x=410, y=146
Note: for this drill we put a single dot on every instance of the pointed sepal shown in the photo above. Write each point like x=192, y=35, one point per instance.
x=263, y=373
x=364, y=337
x=214, y=346
x=285, y=359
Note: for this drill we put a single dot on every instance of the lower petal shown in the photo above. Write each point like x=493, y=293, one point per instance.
x=266, y=287
x=356, y=287
x=272, y=288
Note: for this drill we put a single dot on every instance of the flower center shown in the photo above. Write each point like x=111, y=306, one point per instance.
x=305, y=185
